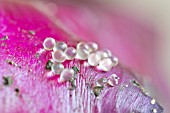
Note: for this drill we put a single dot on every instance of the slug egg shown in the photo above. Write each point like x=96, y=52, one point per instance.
x=102, y=54
x=115, y=61
x=70, y=53
x=105, y=64
x=109, y=53
x=113, y=80
x=49, y=43
x=92, y=46
x=57, y=68
x=82, y=51
x=58, y=56
x=82, y=54
x=93, y=59
x=66, y=75
x=82, y=45
x=60, y=46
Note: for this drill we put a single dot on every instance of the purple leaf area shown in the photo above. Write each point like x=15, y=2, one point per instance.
x=25, y=85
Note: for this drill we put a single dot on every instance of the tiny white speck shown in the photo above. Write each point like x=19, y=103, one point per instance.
x=154, y=110
x=153, y=101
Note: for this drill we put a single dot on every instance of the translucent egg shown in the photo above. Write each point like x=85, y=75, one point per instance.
x=57, y=68
x=60, y=46
x=109, y=53
x=92, y=46
x=58, y=56
x=82, y=54
x=113, y=80
x=49, y=43
x=66, y=75
x=115, y=61
x=105, y=64
x=82, y=45
x=82, y=51
x=70, y=53
x=93, y=59
x=102, y=54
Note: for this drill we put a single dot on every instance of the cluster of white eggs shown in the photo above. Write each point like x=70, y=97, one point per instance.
x=103, y=59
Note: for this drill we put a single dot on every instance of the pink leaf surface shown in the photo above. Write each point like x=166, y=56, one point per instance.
x=21, y=58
